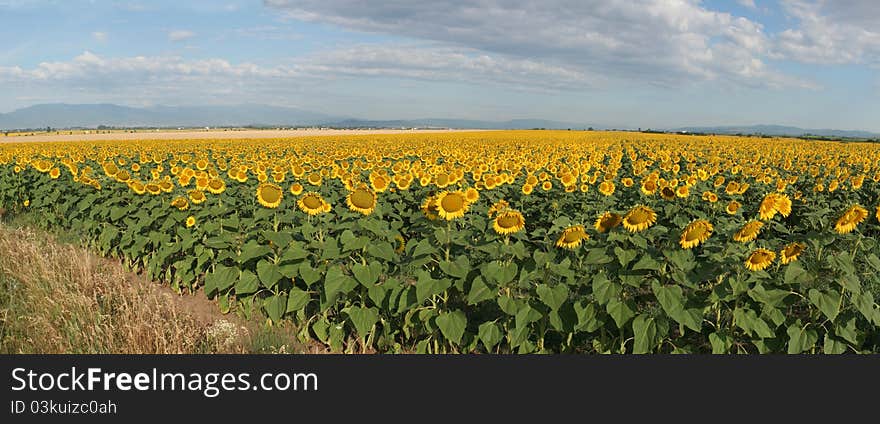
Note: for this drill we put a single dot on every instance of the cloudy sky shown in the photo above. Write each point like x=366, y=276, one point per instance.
x=633, y=63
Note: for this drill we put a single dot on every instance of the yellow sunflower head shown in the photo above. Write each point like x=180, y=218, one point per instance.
x=180, y=203
x=667, y=193
x=216, y=186
x=572, y=237
x=760, y=259
x=500, y=206
x=429, y=208
x=509, y=222
x=313, y=204
x=362, y=200
x=269, y=195
x=472, y=195
x=851, y=218
x=791, y=252
x=732, y=207
x=190, y=221
x=606, y=188
x=748, y=232
x=451, y=204
x=695, y=233
x=639, y=218
x=607, y=221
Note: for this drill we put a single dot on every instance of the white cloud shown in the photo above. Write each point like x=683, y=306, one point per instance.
x=747, y=3
x=180, y=35
x=666, y=42
x=99, y=36
x=90, y=72
x=831, y=32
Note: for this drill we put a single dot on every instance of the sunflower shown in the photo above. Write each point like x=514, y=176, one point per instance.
x=269, y=195
x=54, y=173
x=850, y=219
x=749, y=231
x=732, y=207
x=137, y=187
x=649, y=187
x=668, y=193
x=760, y=259
x=546, y=185
x=768, y=210
x=451, y=204
x=527, y=189
x=606, y=188
x=429, y=208
x=379, y=183
x=472, y=195
x=361, y=200
x=509, y=222
x=296, y=189
x=682, y=191
x=639, y=218
x=877, y=214
x=190, y=221
x=196, y=196
x=572, y=237
x=153, y=188
x=180, y=203
x=790, y=253
x=783, y=204
x=26, y=203
x=401, y=244
x=312, y=203
x=216, y=186
x=695, y=233
x=607, y=221
x=500, y=206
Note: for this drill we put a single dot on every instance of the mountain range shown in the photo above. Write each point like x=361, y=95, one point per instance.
x=93, y=115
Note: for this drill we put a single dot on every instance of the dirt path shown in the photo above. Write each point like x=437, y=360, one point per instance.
x=209, y=134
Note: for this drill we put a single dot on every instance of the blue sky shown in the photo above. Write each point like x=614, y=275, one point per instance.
x=624, y=63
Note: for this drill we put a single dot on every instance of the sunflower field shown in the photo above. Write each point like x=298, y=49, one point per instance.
x=490, y=242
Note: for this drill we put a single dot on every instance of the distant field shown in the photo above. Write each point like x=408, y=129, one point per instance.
x=196, y=134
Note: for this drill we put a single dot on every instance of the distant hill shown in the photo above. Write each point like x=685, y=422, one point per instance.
x=779, y=130
x=91, y=116
x=458, y=123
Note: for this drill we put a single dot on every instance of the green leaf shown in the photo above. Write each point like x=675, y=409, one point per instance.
x=309, y=274
x=527, y=315
x=336, y=282
x=795, y=274
x=247, y=283
x=490, y=334
x=721, y=343
x=275, y=306
x=500, y=273
x=458, y=269
x=827, y=301
x=833, y=346
x=508, y=305
x=874, y=261
x=423, y=248
x=682, y=259
x=586, y=315
x=297, y=299
x=647, y=263
x=553, y=297
x=269, y=273
x=480, y=292
x=850, y=282
x=294, y=252
x=672, y=301
x=864, y=302
x=252, y=250
x=363, y=319
x=367, y=274
x=772, y=297
x=427, y=286
x=749, y=321
x=597, y=257
x=221, y=279
x=801, y=339
x=604, y=289
x=452, y=325
x=624, y=256
x=620, y=311
x=646, y=335
x=381, y=250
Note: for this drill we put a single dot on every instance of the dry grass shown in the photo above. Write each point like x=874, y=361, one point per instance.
x=58, y=298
